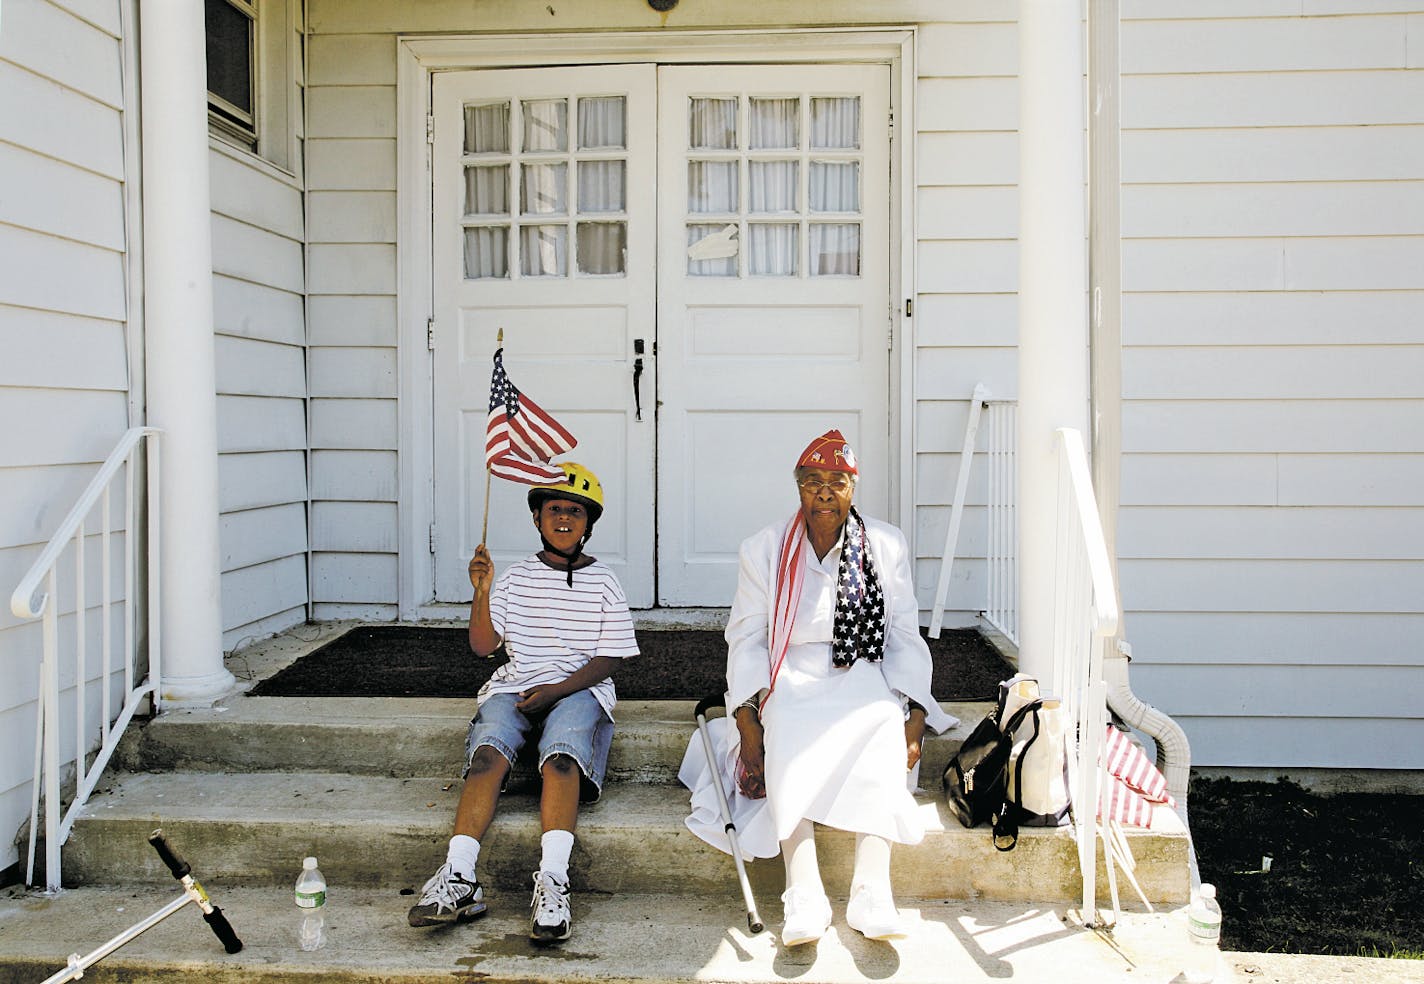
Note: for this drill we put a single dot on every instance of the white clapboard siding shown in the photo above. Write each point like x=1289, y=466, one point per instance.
x=352, y=59
x=1275, y=154
x=255, y=536
x=1278, y=638
x=358, y=476
x=969, y=212
x=1266, y=45
x=103, y=14
x=253, y=593
x=1273, y=317
x=87, y=59
x=353, y=372
x=353, y=165
x=367, y=111
x=259, y=423
x=1304, y=742
x=1353, y=479
x=1241, y=372
x=1201, y=479
x=61, y=351
x=354, y=527
x=982, y=320
x=1296, y=208
x=76, y=204
x=61, y=275
x=261, y=478
x=951, y=373
x=323, y=611
x=966, y=157
x=92, y=137
x=351, y=217
x=60, y=426
x=1273, y=99
x=37, y=499
x=1273, y=426
x=972, y=267
x=16, y=561
x=951, y=104
x=346, y=320
x=351, y=268
x=245, y=190
x=1245, y=532
x=250, y=310
x=255, y=367
x=354, y=424
x=248, y=252
x=1217, y=585
x=354, y=578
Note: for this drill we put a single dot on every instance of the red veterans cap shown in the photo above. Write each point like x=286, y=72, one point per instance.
x=829, y=451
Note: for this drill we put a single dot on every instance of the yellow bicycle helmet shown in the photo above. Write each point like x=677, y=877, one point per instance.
x=579, y=485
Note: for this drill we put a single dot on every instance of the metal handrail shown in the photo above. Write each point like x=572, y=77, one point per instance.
x=1001, y=607
x=1085, y=612
x=30, y=601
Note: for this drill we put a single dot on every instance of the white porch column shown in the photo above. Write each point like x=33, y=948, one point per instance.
x=178, y=314
x=1053, y=281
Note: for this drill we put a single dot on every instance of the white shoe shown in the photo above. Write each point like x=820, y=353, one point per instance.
x=872, y=913
x=808, y=916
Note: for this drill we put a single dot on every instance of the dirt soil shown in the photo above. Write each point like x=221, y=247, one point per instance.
x=1347, y=870
x=415, y=661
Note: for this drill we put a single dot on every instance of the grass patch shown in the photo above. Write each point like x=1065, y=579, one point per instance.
x=1347, y=872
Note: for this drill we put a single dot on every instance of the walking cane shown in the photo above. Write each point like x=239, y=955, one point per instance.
x=754, y=922
x=192, y=892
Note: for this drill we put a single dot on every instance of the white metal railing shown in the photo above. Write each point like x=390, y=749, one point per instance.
x=1084, y=614
x=997, y=418
x=1001, y=610
x=31, y=600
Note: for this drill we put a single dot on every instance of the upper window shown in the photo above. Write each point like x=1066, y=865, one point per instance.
x=232, y=44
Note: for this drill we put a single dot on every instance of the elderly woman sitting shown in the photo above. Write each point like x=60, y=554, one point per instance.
x=829, y=688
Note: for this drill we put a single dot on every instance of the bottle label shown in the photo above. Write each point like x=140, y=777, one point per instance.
x=1206, y=930
x=311, y=900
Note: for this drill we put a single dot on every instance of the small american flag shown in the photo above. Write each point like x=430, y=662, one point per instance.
x=520, y=437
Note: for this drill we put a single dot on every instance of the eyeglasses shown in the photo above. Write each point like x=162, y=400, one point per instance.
x=838, y=486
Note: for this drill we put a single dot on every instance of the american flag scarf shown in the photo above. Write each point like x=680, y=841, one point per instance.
x=1133, y=786
x=859, y=628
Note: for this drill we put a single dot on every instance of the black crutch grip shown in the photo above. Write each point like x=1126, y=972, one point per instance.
x=172, y=858
x=703, y=705
x=222, y=929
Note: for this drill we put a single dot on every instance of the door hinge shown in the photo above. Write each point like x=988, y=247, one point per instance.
x=430, y=128
x=430, y=334
x=432, y=537
x=909, y=307
x=892, y=123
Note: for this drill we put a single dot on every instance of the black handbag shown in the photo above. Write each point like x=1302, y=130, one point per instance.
x=976, y=781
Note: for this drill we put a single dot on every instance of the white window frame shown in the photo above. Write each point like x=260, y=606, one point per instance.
x=276, y=59
x=417, y=58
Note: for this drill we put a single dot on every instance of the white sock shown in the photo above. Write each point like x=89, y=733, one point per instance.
x=798, y=854
x=463, y=855
x=872, y=863
x=557, y=846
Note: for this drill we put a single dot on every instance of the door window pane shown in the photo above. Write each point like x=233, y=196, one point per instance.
x=835, y=250
x=835, y=186
x=602, y=186
x=713, y=124
x=835, y=123
x=771, y=185
x=602, y=122
x=487, y=129
x=546, y=125
x=487, y=190
x=773, y=251
x=775, y=124
x=542, y=190
x=487, y=253
x=712, y=186
x=602, y=247
x=543, y=250
x=712, y=250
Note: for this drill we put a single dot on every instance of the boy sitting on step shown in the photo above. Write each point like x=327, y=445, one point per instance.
x=564, y=622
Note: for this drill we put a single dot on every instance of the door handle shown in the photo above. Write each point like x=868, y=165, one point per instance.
x=638, y=379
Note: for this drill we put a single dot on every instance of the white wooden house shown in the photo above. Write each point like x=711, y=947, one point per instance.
x=405, y=179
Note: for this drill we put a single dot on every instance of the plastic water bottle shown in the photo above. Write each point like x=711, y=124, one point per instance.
x=1204, y=929
x=311, y=902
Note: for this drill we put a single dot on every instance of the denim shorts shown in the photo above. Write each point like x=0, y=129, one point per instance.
x=577, y=726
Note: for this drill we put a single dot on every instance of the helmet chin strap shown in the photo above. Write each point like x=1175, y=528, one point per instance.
x=569, y=558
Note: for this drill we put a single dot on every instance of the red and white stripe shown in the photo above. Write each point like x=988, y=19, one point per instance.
x=1133, y=786
x=790, y=576
x=519, y=449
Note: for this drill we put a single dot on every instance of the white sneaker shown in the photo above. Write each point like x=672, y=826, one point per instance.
x=550, y=918
x=808, y=916
x=871, y=912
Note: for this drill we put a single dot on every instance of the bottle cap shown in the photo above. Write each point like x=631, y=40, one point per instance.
x=1208, y=890
x=309, y=862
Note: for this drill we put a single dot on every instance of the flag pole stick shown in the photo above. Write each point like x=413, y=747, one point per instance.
x=484, y=527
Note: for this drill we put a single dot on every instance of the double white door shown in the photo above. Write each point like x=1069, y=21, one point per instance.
x=690, y=267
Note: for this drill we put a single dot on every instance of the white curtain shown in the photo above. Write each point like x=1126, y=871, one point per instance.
x=835, y=250
x=543, y=250
x=835, y=186
x=713, y=186
x=721, y=266
x=835, y=123
x=773, y=250
x=775, y=124
x=542, y=189
x=486, y=253
x=771, y=186
x=487, y=129
x=487, y=190
x=602, y=247
x=546, y=125
x=601, y=123
x=602, y=186
x=713, y=124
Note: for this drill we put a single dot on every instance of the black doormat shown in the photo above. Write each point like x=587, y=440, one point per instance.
x=416, y=661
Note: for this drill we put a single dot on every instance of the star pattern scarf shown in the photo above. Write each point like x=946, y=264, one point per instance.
x=859, y=628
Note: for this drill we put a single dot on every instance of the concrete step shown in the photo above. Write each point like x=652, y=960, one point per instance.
x=253, y=829
x=412, y=736
x=621, y=937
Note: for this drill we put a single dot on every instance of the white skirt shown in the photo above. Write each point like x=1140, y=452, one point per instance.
x=835, y=754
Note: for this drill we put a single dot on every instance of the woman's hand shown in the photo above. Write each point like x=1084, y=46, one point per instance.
x=751, y=777
x=914, y=736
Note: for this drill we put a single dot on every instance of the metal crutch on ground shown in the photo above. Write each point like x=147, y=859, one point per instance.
x=754, y=922
x=192, y=892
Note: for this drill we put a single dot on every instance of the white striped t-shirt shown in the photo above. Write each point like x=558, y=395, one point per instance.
x=551, y=629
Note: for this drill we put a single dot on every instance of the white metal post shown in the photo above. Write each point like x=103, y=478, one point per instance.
x=181, y=381
x=1053, y=336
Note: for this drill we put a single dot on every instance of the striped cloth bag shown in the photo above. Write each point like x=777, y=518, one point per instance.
x=1133, y=786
